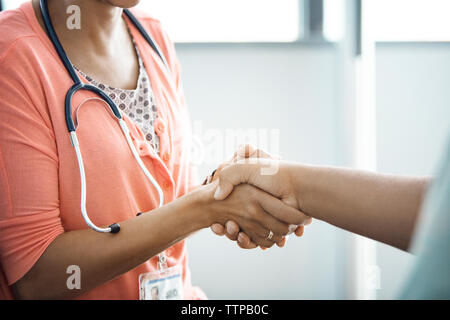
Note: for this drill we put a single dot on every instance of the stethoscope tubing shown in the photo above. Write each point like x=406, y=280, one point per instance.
x=78, y=86
x=87, y=87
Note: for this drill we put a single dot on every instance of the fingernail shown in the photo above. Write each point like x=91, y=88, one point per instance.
x=292, y=228
x=215, y=229
x=229, y=229
x=240, y=238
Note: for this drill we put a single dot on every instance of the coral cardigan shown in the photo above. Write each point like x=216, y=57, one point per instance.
x=39, y=176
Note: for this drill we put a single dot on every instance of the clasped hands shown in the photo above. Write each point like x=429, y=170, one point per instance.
x=268, y=207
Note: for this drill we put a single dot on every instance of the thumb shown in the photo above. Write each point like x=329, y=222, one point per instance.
x=223, y=189
x=229, y=177
x=245, y=151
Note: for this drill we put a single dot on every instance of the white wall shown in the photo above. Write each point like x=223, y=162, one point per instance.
x=413, y=114
x=293, y=88
x=288, y=87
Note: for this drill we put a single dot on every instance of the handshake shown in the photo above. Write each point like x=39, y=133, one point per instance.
x=261, y=205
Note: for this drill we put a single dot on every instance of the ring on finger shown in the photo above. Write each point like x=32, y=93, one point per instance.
x=270, y=236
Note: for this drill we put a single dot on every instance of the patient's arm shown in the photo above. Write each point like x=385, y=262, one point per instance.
x=381, y=207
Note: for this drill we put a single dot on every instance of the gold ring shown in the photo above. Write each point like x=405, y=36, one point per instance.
x=270, y=236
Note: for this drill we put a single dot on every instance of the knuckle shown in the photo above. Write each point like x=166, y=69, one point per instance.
x=263, y=233
x=258, y=241
x=217, y=174
x=253, y=210
x=257, y=234
x=294, y=217
x=221, y=167
x=275, y=239
x=301, y=219
x=284, y=230
x=269, y=244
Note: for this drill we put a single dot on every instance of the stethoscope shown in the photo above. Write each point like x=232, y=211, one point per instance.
x=79, y=85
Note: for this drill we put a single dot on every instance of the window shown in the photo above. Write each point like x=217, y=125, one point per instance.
x=333, y=19
x=224, y=20
x=411, y=20
x=228, y=20
x=11, y=4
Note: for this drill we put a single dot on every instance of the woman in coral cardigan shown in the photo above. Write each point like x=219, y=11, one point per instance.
x=42, y=231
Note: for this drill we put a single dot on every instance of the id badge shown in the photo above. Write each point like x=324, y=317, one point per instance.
x=163, y=284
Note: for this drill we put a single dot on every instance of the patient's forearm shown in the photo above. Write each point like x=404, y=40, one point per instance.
x=381, y=207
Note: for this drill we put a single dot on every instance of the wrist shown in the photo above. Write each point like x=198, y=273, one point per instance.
x=300, y=181
x=198, y=205
x=309, y=187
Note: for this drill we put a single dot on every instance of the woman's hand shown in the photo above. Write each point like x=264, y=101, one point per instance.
x=254, y=211
x=253, y=171
x=231, y=228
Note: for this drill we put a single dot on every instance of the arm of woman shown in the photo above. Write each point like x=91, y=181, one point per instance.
x=102, y=257
x=381, y=207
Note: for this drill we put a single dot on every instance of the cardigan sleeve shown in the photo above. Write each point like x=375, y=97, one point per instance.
x=29, y=196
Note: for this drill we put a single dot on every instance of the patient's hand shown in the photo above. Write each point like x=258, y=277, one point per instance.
x=231, y=228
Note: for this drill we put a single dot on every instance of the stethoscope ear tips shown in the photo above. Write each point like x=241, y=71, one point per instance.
x=115, y=228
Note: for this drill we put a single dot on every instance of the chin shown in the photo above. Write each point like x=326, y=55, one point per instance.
x=125, y=4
